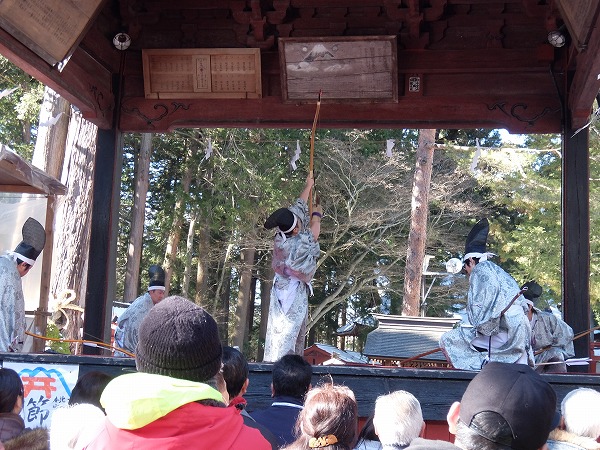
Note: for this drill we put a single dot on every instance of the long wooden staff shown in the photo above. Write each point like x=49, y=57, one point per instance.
x=311, y=163
x=81, y=341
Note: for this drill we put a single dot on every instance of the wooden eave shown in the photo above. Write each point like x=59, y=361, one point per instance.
x=17, y=175
x=481, y=63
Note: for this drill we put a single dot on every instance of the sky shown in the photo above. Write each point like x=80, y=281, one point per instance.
x=507, y=138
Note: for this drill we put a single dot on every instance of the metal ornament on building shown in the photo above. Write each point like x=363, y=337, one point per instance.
x=122, y=41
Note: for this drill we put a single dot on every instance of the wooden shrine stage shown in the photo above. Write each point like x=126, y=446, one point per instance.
x=436, y=389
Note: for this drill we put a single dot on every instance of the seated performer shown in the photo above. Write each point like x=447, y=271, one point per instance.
x=500, y=329
x=126, y=334
x=551, y=337
x=295, y=253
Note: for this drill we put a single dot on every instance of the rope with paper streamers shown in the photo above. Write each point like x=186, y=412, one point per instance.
x=60, y=305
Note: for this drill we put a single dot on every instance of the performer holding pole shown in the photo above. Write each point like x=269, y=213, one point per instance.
x=295, y=253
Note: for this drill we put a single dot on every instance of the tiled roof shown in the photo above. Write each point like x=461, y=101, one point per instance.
x=399, y=337
x=342, y=355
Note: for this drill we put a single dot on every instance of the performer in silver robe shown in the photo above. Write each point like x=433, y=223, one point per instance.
x=551, y=337
x=128, y=324
x=498, y=326
x=13, y=266
x=295, y=253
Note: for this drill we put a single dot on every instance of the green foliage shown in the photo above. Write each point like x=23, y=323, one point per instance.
x=52, y=331
x=366, y=197
x=19, y=109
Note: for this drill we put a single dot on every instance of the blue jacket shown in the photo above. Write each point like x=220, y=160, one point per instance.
x=280, y=417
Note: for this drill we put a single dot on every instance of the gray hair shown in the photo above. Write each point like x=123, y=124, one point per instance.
x=581, y=412
x=398, y=418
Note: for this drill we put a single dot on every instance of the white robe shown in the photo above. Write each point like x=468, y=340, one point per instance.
x=490, y=290
x=128, y=324
x=553, y=338
x=295, y=263
x=12, y=306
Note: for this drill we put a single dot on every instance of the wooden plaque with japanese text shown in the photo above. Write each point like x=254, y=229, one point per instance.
x=359, y=69
x=202, y=73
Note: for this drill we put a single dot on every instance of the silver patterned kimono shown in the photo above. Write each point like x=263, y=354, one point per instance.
x=12, y=306
x=490, y=290
x=553, y=338
x=294, y=263
x=128, y=325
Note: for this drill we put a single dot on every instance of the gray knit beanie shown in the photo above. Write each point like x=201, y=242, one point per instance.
x=179, y=339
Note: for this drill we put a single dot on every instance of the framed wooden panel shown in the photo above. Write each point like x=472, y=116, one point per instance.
x=202, y=73
x=50, y=28
x=359, y=69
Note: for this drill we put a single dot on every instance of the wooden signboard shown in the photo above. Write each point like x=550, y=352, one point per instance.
x=360, y=69
x=202, y=73
x=50, y=28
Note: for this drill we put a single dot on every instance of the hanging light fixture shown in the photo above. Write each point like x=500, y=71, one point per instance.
x=122, y=41
x=557, y=38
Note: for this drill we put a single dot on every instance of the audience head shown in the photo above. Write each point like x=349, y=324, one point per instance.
x=11, y=391
x=291, y=376
x=178, y=338
x=581, y=412
x=328, y=420
x=89, y=387
x=504, y=406
x=398, y=418
x=235, y=371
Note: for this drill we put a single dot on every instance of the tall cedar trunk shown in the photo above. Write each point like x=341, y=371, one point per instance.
x=223, y=312
x=175, y=231
x=72, y=220
x=266, y=284
x=223, y=283
x=138, y=216
x=251, y=306
x=203, y=262
x=189, y=248
x=417, y=237
x=240, y=330
x=49, y=155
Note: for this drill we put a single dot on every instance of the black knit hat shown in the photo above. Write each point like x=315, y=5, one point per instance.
x=179, y=339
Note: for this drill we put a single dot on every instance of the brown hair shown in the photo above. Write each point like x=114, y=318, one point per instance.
x=328, y=410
